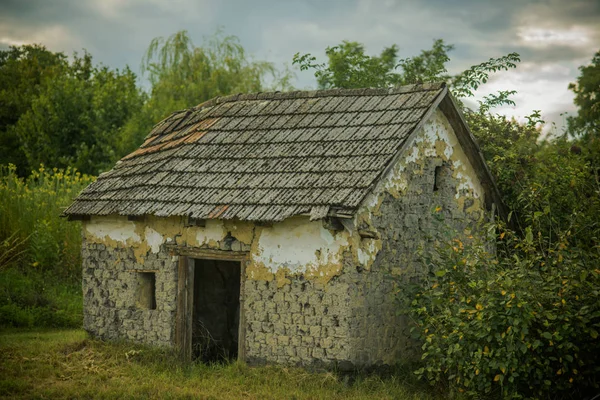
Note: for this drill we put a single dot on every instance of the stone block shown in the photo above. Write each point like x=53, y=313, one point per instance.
x=308, y=340
x=283, y=341
x=315, y=331
x=318, y=353
x=326, y=342
x=296, y=341
x=302, y=352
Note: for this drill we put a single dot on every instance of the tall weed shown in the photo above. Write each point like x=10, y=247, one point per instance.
x=40, y=261
x=29, y=215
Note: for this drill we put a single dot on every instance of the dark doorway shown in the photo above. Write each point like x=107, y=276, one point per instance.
x=216, y=310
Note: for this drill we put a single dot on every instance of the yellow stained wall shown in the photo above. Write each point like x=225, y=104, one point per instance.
x=298, y=245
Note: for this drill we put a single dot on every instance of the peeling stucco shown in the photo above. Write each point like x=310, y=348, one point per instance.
x=112, y=230
x=310, y=292
x=298, y=245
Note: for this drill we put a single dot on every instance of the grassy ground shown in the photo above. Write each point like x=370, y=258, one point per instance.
x=68, y=364
x=39, y=299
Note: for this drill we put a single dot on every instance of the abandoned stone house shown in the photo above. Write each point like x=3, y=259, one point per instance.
x=275, y=227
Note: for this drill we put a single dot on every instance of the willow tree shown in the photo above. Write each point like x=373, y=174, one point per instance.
x=183, y=75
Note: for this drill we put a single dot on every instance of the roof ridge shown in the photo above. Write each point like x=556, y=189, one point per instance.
x=298, y=94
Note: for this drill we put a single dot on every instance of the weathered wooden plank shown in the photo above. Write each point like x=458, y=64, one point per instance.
x=180, y=317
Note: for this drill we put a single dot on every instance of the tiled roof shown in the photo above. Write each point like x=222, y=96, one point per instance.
x=265, y=156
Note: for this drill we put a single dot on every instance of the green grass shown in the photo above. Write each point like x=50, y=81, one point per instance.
x=68, y=364
x=39, y=299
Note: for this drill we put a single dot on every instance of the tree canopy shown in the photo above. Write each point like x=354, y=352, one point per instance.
x=587, y=100
x=183, y=75
x=75, y=113
x=24, y=71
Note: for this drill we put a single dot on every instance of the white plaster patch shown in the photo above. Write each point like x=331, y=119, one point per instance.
x=153, y=238
x=367, y=256
x=437, y=128
x=465, y=180
x=412, y=155
x=118, y=229
x=299, y=245
x=213, y=231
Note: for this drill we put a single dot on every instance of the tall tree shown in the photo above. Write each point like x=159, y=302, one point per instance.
x=77, y=116
x=24, y=71
x=587, y=99
x=183, y=75
x=348, y=66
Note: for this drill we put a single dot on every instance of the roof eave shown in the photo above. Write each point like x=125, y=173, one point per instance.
x=469, y=145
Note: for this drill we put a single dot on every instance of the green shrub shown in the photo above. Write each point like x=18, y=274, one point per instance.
x=40, y=262
x=29, y=216
x=38, y=299
x=522, y=325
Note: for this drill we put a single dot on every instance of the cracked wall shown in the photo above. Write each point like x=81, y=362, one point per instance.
x=313, y=296
x=411, y=211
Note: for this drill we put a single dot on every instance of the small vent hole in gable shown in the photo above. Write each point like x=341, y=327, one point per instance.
x=437, y=178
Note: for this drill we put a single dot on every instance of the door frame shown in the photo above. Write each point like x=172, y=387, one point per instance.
x=185, y=296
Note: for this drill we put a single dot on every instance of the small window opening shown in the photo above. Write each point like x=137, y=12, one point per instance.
x=436, y=178
x=146, y=291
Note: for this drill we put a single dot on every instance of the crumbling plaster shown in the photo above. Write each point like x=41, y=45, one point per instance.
x=298, y=245
x=312, y=295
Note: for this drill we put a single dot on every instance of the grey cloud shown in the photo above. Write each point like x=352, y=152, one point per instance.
x=118, y=32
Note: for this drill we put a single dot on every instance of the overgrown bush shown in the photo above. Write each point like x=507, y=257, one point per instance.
x=523, y=322
x=40, y=262
x=521, y=325
x=29, y=215
x=39, y=299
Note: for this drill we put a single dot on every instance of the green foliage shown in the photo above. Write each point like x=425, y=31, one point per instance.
x=349, y=67
x=23, y=73
x=429, y=66
x=29, y=215
x=523, y=325
x=34, y=298
x=12, y=250
x=466, y=83
x=587, y=99
x=40, y=263
x=536, y=176
x=76, y=117
x=184, y=75
x=508, y=148
x=560, y=192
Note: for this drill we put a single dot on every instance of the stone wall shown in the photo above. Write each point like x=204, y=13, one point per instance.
x=304, y=322
x=441, y=197
x=313, y=296
x=110, y=289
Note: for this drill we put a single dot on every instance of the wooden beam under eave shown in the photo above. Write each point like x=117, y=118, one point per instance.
x=78, y=217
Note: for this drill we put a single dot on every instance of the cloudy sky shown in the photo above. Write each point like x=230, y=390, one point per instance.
x=554, y=37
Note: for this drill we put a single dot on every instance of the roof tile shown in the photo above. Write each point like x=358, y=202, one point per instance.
x=263, y=156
